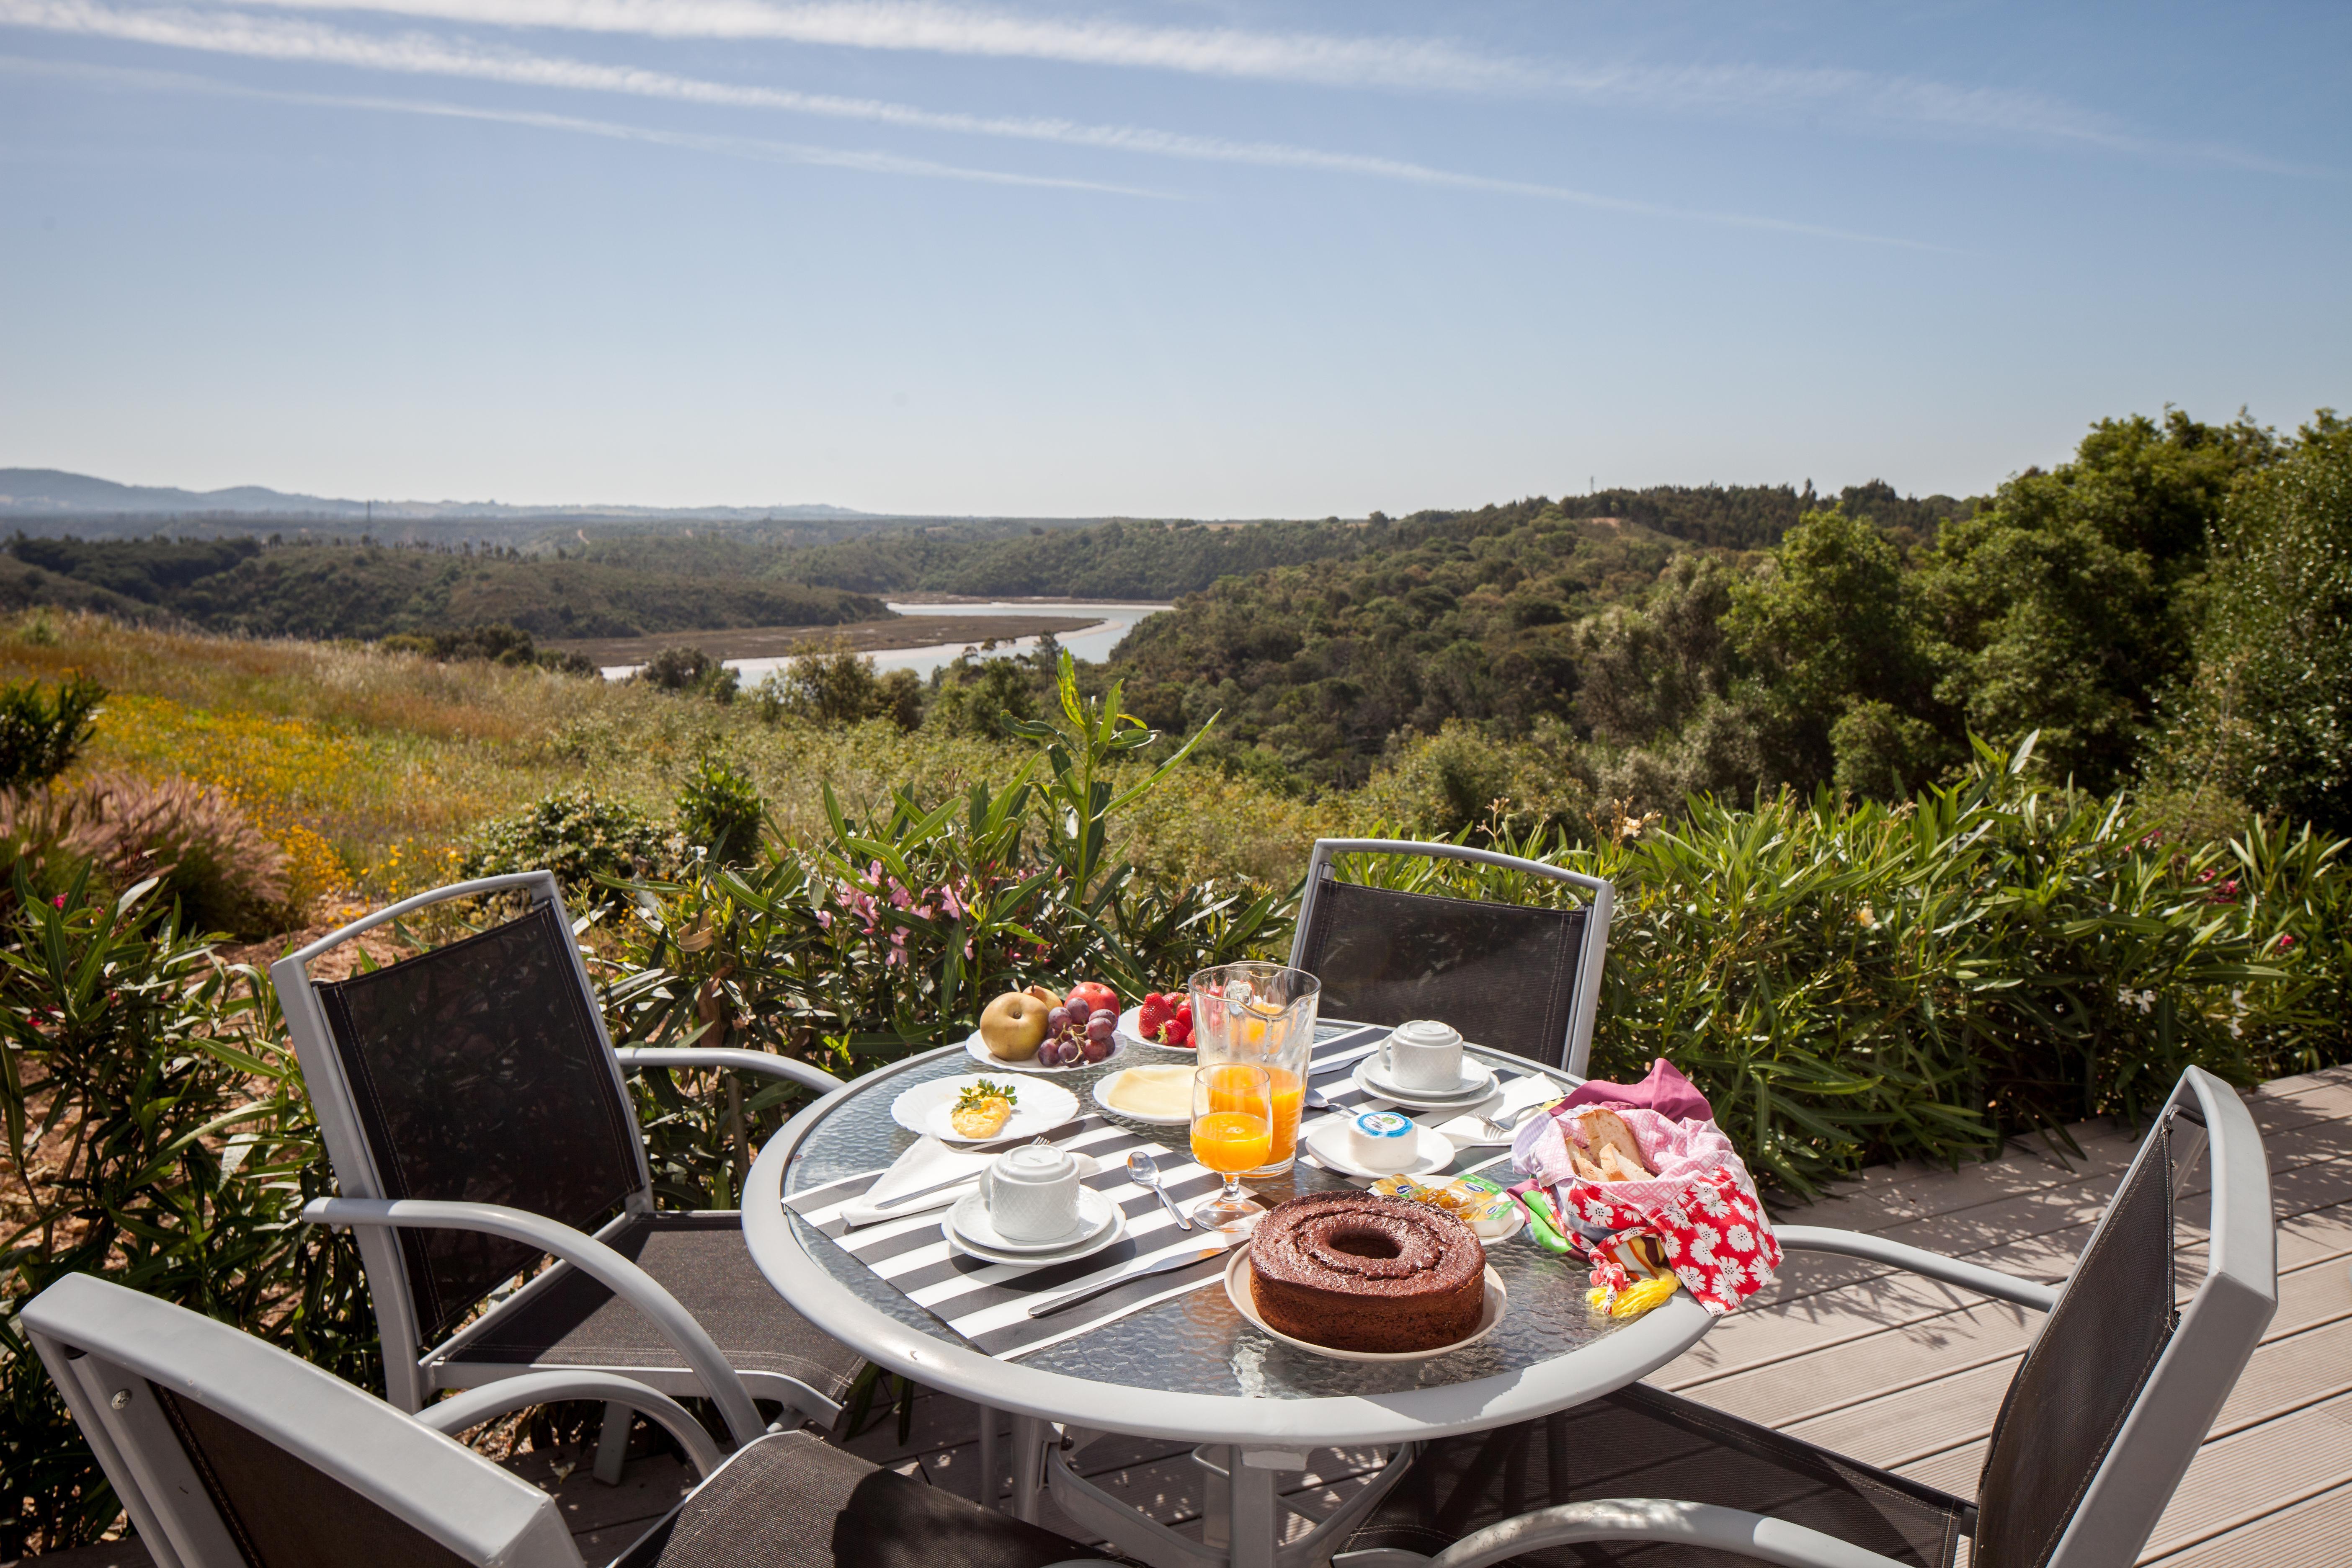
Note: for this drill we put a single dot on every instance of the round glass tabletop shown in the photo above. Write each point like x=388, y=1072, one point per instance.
x=1548, y=1352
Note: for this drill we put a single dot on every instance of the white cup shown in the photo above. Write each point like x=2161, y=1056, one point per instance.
x=1031, y=1192
x=1426, y=1055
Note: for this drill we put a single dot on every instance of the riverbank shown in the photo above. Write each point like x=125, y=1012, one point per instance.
x=914, y=631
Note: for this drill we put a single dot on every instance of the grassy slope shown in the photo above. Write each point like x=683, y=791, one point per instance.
x=372, y=767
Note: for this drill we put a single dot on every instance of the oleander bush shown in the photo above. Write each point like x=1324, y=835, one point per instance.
x=585, y=838
x=157, y=1134
x=2004, y=955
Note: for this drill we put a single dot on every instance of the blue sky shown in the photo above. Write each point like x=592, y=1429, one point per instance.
x=1176, y=258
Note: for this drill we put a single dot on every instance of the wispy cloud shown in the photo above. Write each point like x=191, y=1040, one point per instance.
x=231, y=33
x=758, y=149
x=1908, y=103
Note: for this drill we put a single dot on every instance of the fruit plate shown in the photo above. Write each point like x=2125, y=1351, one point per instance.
x=1328, y=1141
x=1102, y=1097
x=977, y=1049
x=1038, y=1106
x=1237, y=1291
x=1130, y=1032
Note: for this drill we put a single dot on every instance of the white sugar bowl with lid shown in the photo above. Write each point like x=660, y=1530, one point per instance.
x=1031, y=1192
x=1384, y=1142
x=1424, y=1055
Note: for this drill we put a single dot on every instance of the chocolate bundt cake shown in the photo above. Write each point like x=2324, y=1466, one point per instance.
x=1358, y=1272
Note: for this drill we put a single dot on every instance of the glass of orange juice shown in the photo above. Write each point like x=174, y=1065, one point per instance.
x=1263, y=1014
x=1232, y=1130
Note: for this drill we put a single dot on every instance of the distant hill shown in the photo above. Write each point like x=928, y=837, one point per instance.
x=52, y=492
x=371, y=591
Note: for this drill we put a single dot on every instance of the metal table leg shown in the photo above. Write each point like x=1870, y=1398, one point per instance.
x=1256, y=1525
x=990, y=1458
x=1029, y=1436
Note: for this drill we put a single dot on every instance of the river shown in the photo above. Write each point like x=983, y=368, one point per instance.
x=1094, y=644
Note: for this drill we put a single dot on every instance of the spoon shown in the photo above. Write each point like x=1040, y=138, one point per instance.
x=1144, y=1171
x=1317, y=1100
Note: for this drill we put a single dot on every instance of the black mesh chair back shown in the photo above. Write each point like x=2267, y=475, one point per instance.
x=481, y=1074
x=2085, y=1372
x=283, y=1511
x=1504, y=975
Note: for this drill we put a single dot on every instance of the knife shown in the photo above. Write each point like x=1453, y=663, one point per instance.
x=1183, y=1258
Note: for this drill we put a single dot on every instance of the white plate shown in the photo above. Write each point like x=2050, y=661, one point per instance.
x=1366, y=1078
x=1102, y=1097
x=1463, y=1127
x=1038, y=1106
x=1328, y=1141
x=1111, y=1238
x=969, y=1223
x=977, y=1049
x=1130, y=1032
x=1237, y=1291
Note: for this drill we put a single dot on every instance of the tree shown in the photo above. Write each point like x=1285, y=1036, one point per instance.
x=2268, y=717
x=2065, y=606
x=1825, y=628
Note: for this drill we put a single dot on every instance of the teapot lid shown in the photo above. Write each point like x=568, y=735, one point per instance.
x=1034, y=1162
x=1427, y=1032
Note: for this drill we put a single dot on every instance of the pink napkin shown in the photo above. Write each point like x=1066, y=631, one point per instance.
x=1665, y=1092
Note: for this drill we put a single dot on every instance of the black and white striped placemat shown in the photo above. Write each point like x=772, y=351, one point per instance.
x=987, y=1303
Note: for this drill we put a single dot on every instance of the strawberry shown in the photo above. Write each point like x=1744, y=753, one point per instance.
x=1154, y=1016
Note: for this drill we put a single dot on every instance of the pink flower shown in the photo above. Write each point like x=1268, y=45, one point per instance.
x=59, y=900
x=2285, y=941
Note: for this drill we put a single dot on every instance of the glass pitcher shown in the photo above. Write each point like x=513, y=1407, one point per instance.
x=1264, y=1014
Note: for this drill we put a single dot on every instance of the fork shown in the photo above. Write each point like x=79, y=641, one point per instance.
x=1498, y=1130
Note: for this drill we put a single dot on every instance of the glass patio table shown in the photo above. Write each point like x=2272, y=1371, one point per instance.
x=1189, y=1368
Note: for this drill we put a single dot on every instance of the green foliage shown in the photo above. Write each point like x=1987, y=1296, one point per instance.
x=373, y=591
x=1439, y=786
x=157, y=1135
x=489, y=644
x=583, y=837
x=690, y=669
x=838, y=685
x=720, y=810
x=41, y=735
x=2268, y=717
x=888, y=933
x=982, y=697
x=1853, y=982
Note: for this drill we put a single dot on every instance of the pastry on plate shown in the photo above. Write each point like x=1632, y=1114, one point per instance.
x=982, y=1110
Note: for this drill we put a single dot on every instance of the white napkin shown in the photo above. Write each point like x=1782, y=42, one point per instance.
x=926, y=1164
x=1518, y=1093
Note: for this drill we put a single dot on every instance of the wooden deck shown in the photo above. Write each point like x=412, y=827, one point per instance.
x=1893, y=1370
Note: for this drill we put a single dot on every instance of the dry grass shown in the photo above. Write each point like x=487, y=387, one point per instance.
x=370, y=769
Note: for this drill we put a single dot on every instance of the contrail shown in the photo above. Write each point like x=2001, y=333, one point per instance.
x=423, y=53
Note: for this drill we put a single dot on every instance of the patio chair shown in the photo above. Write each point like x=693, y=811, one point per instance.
x=475, y=1112
x=229, y=1453
x=1512, y=977
x=2099, y=1424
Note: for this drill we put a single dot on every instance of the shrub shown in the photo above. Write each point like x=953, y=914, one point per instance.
x=690, y=669
x=835, y=684
x=1445, y=783
x=40, y=736
x=157, y=1134
x=224, y=874
x=577, y=835
x=720, y=810
x=493, y=644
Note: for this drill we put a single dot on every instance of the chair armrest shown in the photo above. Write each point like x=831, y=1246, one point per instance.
x=585, y=1253
x=1698, y=1524
x=1918, y=1260
x=767, y=1062
x=508, y=1395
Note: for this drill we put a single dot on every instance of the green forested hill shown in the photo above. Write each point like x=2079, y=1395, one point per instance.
x=369, y=590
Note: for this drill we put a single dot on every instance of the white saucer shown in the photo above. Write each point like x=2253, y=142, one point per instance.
x=1237, y=1291
x=1130, y=1032
x=1098, y=1231
x=977, y=1049
x=1477, y=1083
x=1038, y=1106
x=1328, y=1141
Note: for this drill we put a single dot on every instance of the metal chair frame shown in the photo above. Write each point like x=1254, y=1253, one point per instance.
x=409, y=1383
x=2215, y=1335
x=105, y=1345
x=1577, y=1048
